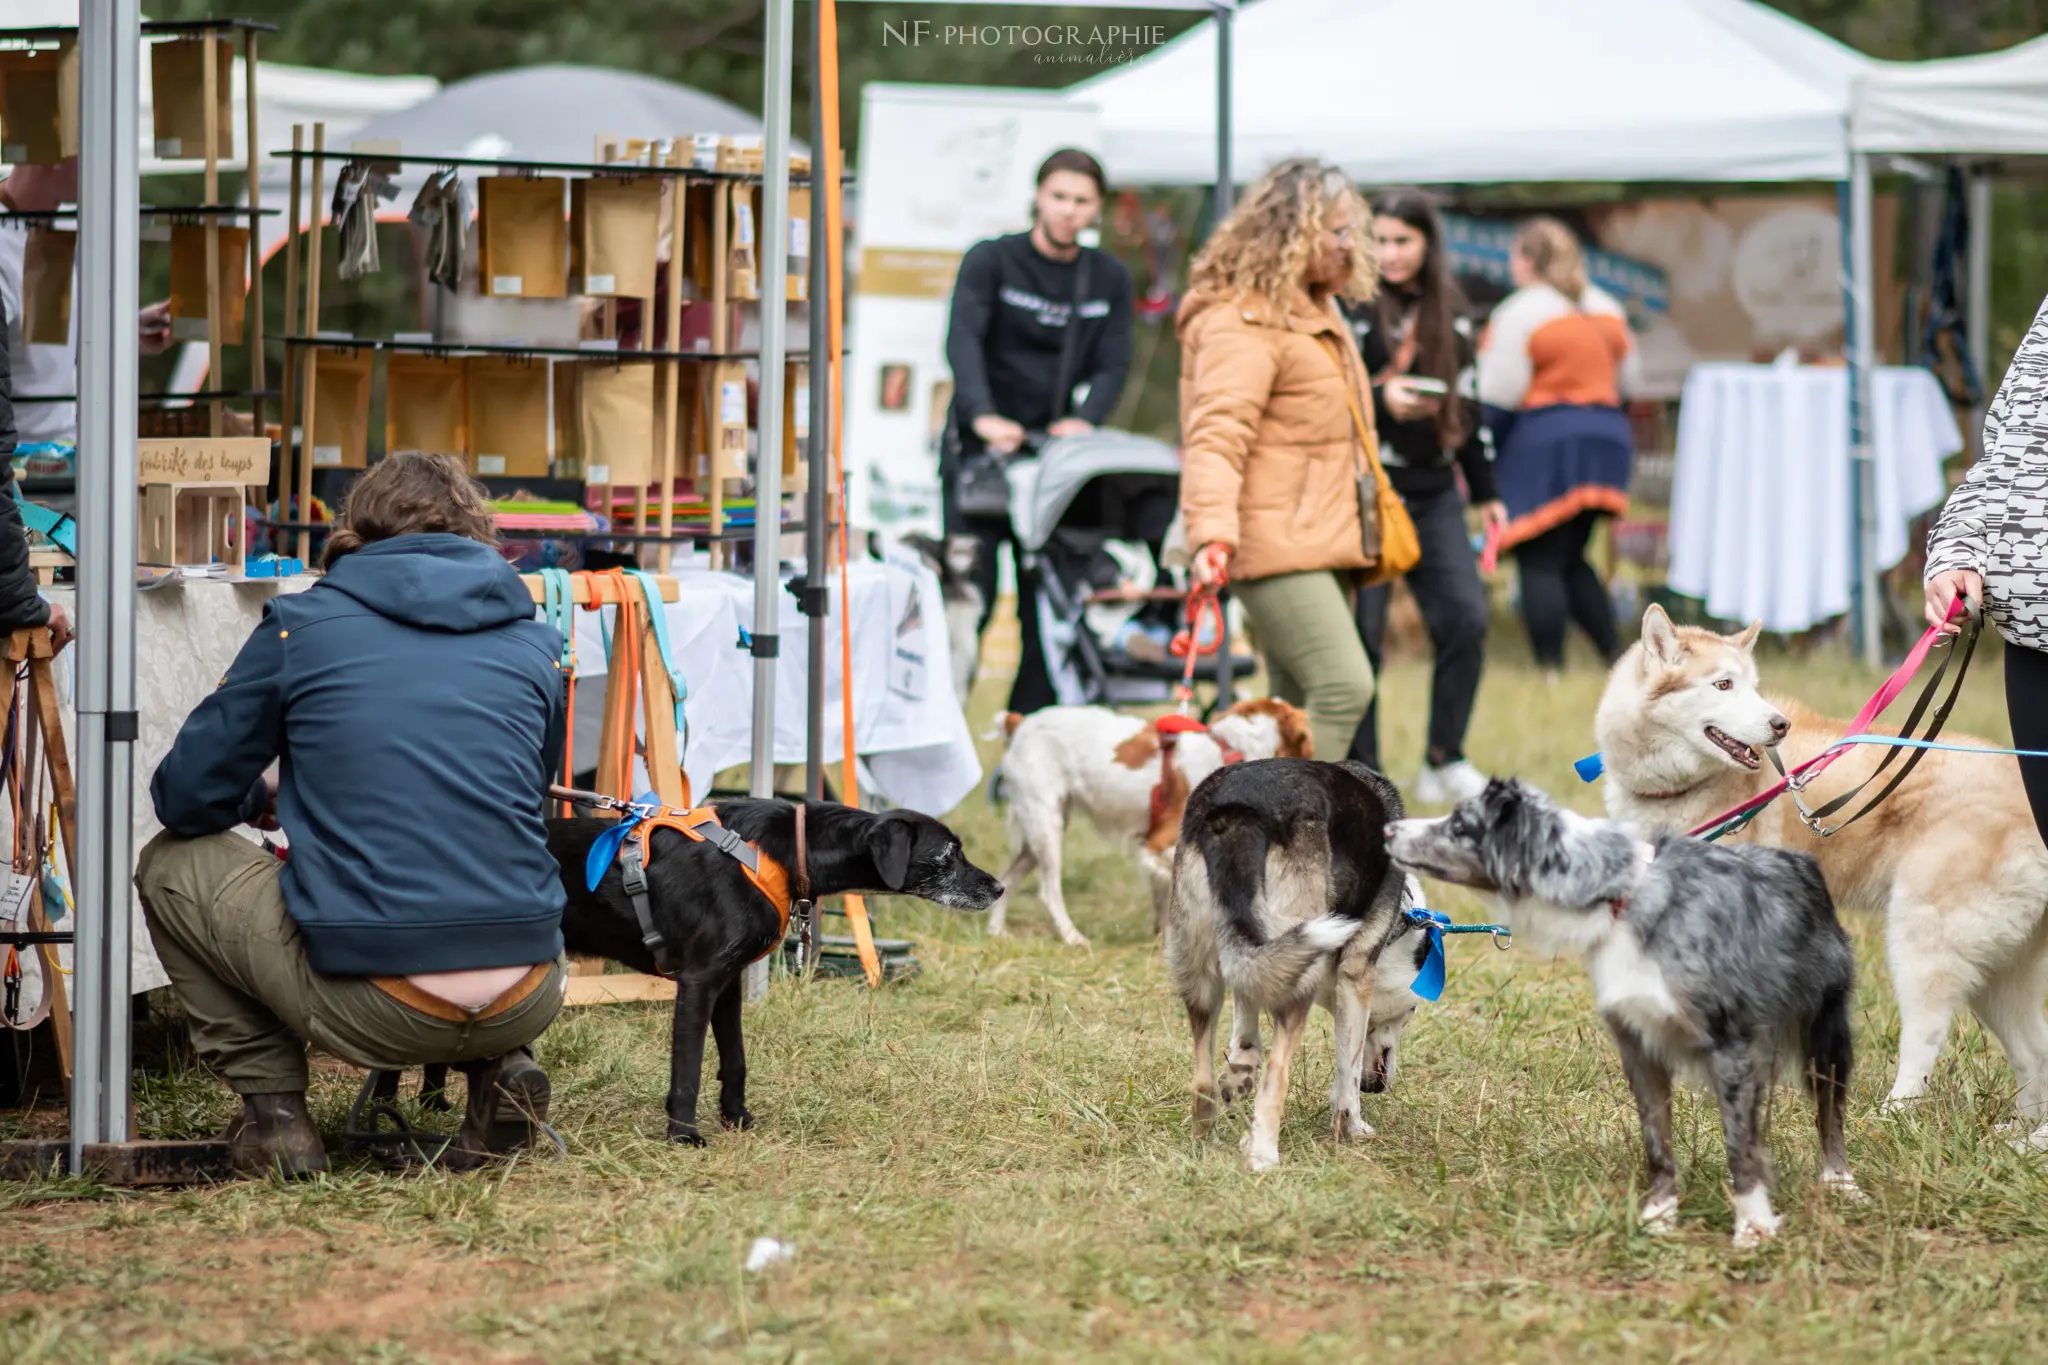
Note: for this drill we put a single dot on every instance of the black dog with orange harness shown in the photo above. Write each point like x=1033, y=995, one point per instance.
x=698, y=895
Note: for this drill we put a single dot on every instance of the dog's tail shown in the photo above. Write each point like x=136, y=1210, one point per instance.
x=1004, y=726
x=1235, y=848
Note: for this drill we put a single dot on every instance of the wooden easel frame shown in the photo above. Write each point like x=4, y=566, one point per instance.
x=46, y=738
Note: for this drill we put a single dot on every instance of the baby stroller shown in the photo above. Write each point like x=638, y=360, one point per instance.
x=1073, y=506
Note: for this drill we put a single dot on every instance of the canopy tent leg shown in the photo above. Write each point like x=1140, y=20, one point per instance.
x=1867, y=615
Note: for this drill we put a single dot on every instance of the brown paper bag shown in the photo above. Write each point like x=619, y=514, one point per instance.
x=341, y=409
x=616, y=407
x=799, y=244
x=191, y=318
x=796, y=425
x=177, y=93
x=614, y=231
x=728, y=420
x=508, y=417
x=425, y=405
x=39, y=104
x=700, y=268
x=522, y=237
x=46, y=272
x=743, y=278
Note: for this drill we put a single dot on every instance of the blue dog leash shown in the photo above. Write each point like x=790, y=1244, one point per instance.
x=1429, y=982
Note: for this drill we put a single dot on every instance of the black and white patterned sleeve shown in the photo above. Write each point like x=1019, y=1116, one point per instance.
x=2009, y=480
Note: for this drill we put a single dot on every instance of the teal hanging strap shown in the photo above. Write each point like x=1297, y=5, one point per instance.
x=650, y=590
x=558, y=609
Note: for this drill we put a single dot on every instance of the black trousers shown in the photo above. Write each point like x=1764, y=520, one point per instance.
x=1559, y=587
x=1032, y=688
x=1453, y=604
x=2026, y=703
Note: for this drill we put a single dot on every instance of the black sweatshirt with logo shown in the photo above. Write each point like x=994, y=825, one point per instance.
x=1413, y=452
x=1011, y=310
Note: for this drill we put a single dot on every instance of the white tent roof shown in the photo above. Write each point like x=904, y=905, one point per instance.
x=1491, y=91
x=284, y=94
x=1994, y=103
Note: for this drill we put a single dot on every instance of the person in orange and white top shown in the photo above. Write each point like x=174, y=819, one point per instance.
x=1554, y=365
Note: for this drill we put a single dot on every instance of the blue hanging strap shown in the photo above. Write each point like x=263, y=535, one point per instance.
x=1429, y=982
x=558, y=607
x=605, y=851
x=1590, y=767
x=650, y=590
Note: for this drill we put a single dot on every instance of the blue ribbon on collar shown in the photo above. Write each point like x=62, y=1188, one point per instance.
x=1590, y=767
x=1429, y=982
x=605, y=851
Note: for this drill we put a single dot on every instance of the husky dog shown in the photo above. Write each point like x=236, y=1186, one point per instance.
x=954, y=559
x=1284, y=895
x=1952, y=857
x=1708, y=962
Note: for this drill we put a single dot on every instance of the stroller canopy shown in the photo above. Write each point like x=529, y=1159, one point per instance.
x=1042, y=490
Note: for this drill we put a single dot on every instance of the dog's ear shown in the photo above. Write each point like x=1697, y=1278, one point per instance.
x=1747, y=640
x=889, y=843
x=1660, y=638
x=1297, y=740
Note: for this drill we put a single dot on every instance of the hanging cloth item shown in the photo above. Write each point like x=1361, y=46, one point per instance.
x=1952, y=363
x=657, y=618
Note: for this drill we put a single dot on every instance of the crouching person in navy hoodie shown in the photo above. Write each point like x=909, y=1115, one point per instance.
x=414, y=709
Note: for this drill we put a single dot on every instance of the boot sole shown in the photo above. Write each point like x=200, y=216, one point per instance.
x=521, y=1101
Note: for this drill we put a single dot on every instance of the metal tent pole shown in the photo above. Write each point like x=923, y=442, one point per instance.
x=1862, y=351
x=110, y=45
x=1978, y=325
x=1225, y=193
x=818, y=450
x=774, y=262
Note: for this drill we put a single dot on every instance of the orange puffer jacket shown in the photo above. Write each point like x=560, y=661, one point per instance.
x=1271, y=454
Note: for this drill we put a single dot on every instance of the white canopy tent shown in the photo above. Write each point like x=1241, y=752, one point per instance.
x=1492, y=91
x=1995, y=104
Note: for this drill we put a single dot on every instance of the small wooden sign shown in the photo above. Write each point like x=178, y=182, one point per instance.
x=221, y=459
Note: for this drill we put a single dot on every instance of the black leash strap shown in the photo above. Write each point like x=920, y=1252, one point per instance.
x=633, y=876
x=1960, y=656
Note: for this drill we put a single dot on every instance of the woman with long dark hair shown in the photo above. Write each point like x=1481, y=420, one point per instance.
x=1417, y=345
x=1555, y=364
x=1036, y=319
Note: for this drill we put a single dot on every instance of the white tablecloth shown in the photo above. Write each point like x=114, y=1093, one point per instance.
x=911, y=732
x=1760, y=513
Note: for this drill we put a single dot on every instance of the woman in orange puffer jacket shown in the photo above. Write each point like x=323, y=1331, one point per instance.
x=1269, y=377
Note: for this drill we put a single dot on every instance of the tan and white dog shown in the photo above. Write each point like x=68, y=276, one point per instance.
x=1952, y=857
x=1087, y=760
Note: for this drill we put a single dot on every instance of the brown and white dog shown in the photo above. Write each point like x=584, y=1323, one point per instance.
x=1952, y=857
x=1130, y=779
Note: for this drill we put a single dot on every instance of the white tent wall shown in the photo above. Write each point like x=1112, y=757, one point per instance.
x=1988, y=105
x=1492, y=91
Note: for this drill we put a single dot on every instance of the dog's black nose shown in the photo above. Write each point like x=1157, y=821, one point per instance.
x=1780, y=727
x=1391, y=827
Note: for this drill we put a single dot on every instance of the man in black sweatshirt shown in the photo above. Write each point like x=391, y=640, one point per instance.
x=1021, y=316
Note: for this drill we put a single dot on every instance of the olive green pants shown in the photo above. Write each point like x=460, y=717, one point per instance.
x=216, y=913
x=1314, y=658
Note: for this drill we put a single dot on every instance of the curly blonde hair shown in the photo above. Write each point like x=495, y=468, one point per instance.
x=1267, y=243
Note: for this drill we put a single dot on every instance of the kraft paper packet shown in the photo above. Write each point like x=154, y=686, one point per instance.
x=614, y=234
x=341, y=409
x=508, y=417
x=742, y=249
x=39, y=104
x=47, y=262
x=425, y=401
x=799, y=285
x=616, y=407
x=728, y=420
x=700, y=264
x=177, y=94
x=190, y=317
x=796, y=425
x=522, y=237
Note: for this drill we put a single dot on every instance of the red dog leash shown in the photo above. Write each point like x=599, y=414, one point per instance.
x=1728, y=821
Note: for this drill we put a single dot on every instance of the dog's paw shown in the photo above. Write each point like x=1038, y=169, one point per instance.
x=1660, y=1215
x=1238, y=1081
x=1843, y=1186
x=1350, y=1127
x=685, y=1134
x=1899, y=1102
x=1259, y=1158
x=1075, y=938
x=742, y=1120
x=1751, y=1233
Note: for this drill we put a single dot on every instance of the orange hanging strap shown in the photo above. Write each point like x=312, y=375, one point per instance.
x=825, y=161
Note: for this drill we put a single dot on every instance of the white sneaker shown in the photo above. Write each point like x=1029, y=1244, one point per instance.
x=1448, y=785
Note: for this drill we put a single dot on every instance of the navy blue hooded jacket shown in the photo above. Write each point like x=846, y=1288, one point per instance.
x=417, y=708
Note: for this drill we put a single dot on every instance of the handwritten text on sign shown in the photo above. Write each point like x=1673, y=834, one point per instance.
x=222, y=459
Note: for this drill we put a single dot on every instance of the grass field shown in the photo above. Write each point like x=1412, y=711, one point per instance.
x=994, y=1162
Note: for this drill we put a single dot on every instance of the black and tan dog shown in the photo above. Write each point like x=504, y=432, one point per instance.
x=712, y=921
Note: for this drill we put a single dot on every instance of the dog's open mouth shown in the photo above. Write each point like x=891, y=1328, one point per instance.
x=1742, y=753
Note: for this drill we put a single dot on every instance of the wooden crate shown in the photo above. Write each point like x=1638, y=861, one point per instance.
x=193, y=523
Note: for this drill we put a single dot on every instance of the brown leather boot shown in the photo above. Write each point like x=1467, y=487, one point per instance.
x=274, y=1135
x=507, y=1096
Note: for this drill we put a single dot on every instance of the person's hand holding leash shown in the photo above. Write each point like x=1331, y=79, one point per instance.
x=1493, y=516
x=1070, y=426
x=1942, y=591
x=1001, y=434
x=1212, y=565
x=61, y=633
